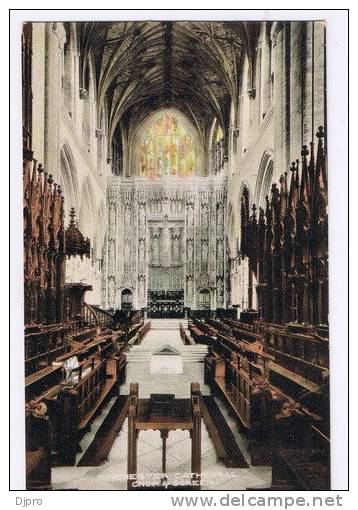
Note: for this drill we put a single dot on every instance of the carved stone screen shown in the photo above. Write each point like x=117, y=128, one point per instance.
x=166, y=236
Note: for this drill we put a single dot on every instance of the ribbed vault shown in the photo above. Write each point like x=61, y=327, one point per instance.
x=145, y=65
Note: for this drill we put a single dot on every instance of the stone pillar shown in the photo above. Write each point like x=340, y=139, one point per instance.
x=286, y=98
x=255, y=96
x=231, y=141
x=307, y=82
x=54, y=41
x=265, y=74
x=319, y=74
x=101, y=151
x=296, y=83
x=277, y=42
x=38, y=89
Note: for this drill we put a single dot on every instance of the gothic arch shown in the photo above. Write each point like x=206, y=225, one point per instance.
x=217, y=146
x=126, y=298
x=204, y=298
x=264, y=178
x=244, y=185
x=68, y=177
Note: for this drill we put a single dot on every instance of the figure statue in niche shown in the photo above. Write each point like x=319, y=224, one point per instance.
x=158, y=206
x=155, y=251
x=190, y=215
x=190, y=250
x=220, y=218
x=112, y=216
x=141, y=289
x=204, y=251
x=220, y=257
x=142, y=215
x=204, y=216
x=176, y=249
x=127, y=216
x=204, y=257
x=141, y=249
x=127, y=255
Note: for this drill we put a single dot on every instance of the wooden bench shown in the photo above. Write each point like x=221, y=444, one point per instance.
x=38, y=452
x=78, y=404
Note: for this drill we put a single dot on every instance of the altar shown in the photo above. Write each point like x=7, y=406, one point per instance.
x=165, y=304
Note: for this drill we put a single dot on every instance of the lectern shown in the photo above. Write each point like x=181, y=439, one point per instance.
x=184, y=415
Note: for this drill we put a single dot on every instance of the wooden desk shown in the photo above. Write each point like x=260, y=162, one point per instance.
x=186, y=416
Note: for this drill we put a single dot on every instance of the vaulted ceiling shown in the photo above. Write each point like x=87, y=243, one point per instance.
x=144, y=65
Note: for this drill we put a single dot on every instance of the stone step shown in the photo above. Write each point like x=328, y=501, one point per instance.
x=198, y=358
x=188, y=353
x=169, y=324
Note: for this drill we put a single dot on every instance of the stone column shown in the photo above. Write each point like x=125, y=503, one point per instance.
x=55, y=38
x=38, y=89
x=101, y=151
x=307, y=82
x=319, y=72
x=296, y=85
x=232, y=141
x=277, y=43
x=286, y=98
x=265, y=74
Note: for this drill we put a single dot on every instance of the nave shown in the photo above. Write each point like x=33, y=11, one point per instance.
x=175, y=223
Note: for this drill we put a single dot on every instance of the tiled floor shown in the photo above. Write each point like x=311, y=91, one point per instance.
x=112, y=474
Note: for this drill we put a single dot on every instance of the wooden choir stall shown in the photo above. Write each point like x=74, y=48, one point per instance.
x=271, y=367
x=74, y=360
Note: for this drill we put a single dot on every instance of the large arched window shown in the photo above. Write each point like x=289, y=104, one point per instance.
x=167, y=146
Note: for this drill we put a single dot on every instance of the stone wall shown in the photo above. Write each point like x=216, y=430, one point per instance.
x=69, y=142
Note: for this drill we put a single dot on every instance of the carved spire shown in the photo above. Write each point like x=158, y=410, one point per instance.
x=320, y=173
x=76, y=244
x=305, y=183
x=73, y=222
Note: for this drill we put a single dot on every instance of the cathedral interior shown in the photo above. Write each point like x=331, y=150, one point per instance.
x=175, y=255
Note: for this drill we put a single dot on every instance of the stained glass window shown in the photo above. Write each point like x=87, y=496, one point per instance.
x=219, y=134
x=166, y=149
